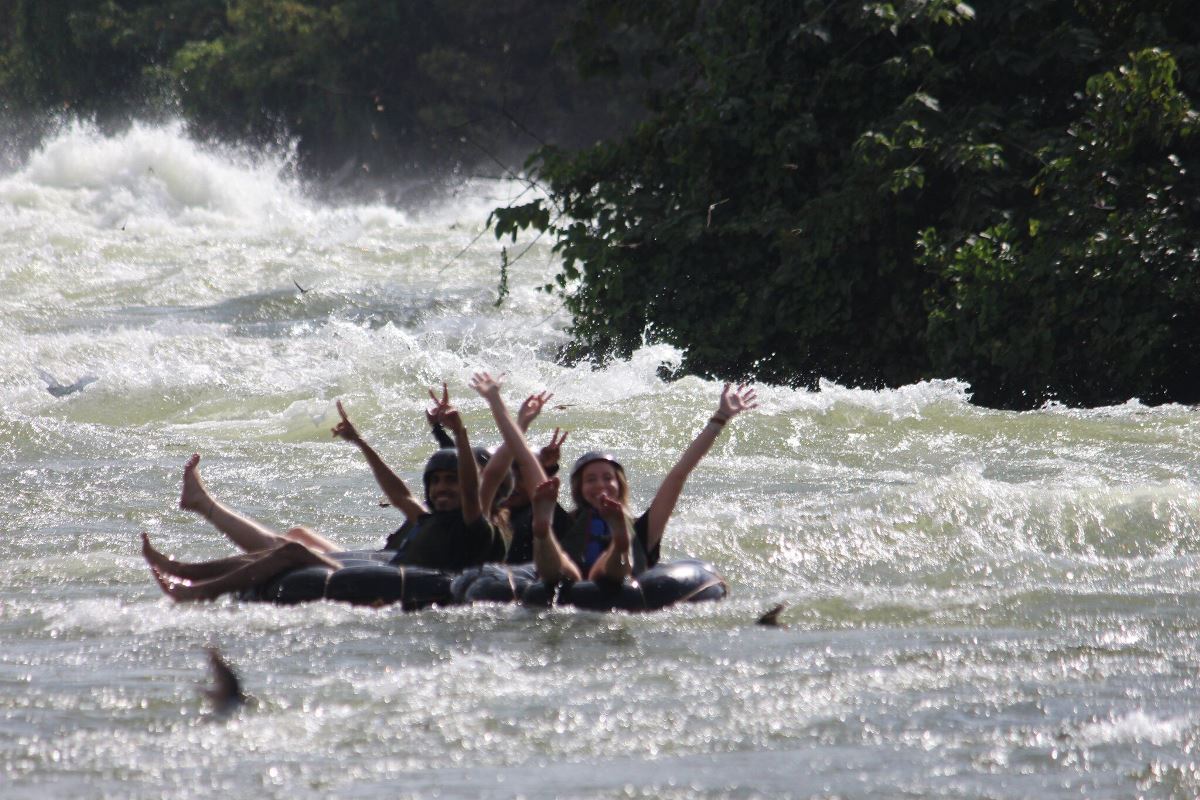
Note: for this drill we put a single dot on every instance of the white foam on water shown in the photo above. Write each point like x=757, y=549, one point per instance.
x=155, y=178
x=1136, y=726
x=157, y=172
x=903, y=402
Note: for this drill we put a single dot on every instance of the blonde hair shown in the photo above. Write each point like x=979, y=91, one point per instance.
x=501, y=519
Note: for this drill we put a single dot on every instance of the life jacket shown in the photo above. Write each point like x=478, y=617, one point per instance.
x=576, y=540
x=520, y=549
x=441, y=540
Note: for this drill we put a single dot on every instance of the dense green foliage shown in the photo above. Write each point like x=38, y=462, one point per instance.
x=884, y=192
x=377, y=82
x=1092, y=289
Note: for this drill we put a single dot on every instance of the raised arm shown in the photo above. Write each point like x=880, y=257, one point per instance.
x=497, y=468
x=532, y=473
x=468, y=470
x=393, y=488
x=733, y=402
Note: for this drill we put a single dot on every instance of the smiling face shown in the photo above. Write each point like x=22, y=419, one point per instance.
x=443, y=490
x=597, y=478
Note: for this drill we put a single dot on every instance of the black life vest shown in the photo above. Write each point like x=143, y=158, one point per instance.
x=575, y=541
x=441, y=540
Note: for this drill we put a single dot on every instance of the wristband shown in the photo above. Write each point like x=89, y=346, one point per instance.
x=718, y=420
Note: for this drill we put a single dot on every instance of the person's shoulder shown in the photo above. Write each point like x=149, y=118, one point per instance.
x=412, y=522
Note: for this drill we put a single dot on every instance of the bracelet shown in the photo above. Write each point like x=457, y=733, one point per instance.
x=718, y=420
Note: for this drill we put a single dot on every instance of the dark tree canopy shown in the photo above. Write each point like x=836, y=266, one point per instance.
x=884, y=192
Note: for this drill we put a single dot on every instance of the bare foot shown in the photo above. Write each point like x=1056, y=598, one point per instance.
x=612, y=512
x=544, y=498
x=157, y=561
x=194, y=496
x=176, y=590
x=192, y=571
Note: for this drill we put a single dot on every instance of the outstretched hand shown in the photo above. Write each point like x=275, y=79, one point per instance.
x=735, y=401
x=530, y=409
x=487, y=386
x=345, y=429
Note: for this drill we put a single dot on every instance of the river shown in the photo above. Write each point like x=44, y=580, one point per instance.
x=980, y=604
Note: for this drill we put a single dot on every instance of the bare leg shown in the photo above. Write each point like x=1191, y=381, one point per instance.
x=553, y=565
x=614, y=563
x=268, y=564
x=311, y=539
x=248, y=534
x=190, y=570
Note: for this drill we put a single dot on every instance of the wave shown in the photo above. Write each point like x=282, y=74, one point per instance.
x=155, y=172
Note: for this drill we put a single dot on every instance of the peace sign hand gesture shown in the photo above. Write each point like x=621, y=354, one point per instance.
x=448, y=415
x=549, y=454
x=438, y=404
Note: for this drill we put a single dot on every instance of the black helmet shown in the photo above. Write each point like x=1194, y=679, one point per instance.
x=482, y=455
x=594, y=455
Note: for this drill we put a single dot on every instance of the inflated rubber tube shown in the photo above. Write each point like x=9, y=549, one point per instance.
x=493, y=583
x=365, y=579
x=589, y=595
x=686, y=581
x=348, y=557
x=294, y=586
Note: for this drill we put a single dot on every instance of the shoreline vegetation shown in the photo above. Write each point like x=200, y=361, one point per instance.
x=874, y=193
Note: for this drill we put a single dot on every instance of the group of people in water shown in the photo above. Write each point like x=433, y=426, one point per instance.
x=478, y=507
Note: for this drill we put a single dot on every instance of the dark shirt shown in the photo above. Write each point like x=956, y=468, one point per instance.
x=641, y=532
x=520, y=549
x=441, y=540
